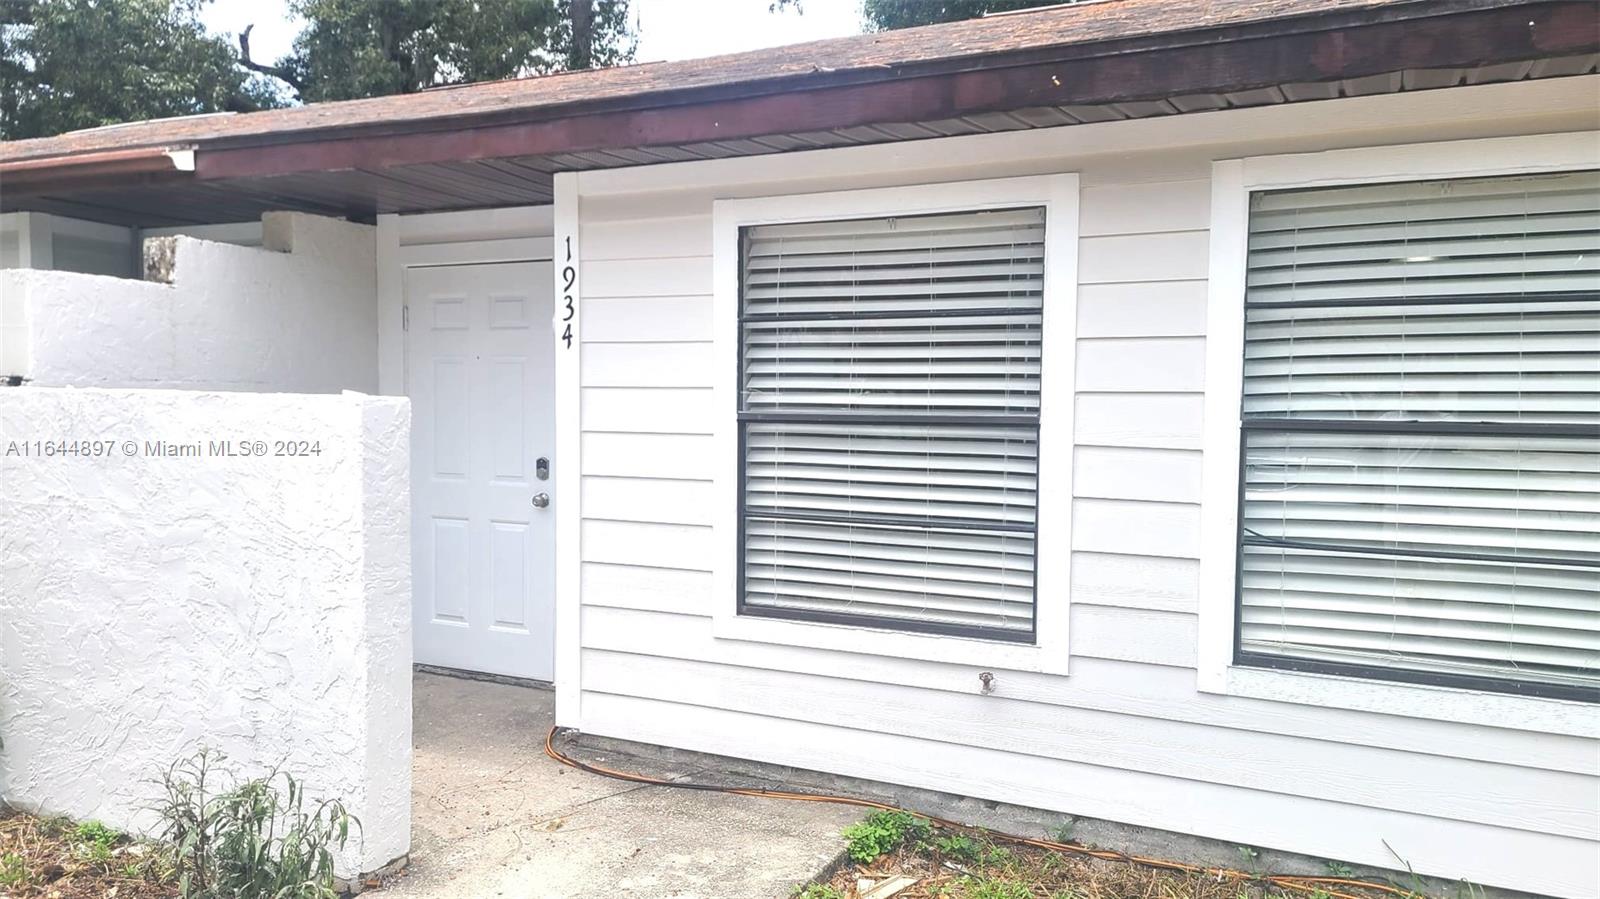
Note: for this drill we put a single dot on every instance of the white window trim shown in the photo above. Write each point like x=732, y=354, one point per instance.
x=1232, y=182
x=1058, y=194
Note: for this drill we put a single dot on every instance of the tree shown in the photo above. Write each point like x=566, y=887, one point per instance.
x=887, y=15
x=365, y=48
x=70, y=64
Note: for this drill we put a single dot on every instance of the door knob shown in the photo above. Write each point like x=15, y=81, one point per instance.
x=540, y=500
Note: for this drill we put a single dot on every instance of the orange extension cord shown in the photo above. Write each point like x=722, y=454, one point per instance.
x=1325, y=886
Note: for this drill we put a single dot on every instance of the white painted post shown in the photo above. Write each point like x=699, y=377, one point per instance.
x=566, y=324
x=391, y=308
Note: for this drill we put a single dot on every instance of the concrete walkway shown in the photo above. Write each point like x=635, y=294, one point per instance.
x=493, y=817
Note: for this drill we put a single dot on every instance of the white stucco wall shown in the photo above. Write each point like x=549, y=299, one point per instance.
x=298, y=314
x=260, y=605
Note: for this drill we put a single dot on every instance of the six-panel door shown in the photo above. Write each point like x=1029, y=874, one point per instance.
x=480, y=370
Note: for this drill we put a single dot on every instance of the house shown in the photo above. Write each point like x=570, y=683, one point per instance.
x=1175, y=412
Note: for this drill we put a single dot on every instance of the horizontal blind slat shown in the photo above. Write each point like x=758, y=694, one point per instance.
x=933, y=316
x=1471, y=300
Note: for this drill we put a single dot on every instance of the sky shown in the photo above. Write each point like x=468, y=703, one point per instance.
x=668, y=29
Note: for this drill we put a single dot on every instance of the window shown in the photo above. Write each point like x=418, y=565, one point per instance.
x=1419, y=488
x=889, y=414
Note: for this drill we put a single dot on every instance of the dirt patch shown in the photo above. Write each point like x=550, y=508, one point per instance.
x=59, y=859
x=948, y=864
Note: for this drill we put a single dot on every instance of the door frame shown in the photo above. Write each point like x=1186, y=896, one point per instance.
x=511, y=234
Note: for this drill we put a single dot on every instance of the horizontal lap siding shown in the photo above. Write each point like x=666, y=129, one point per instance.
x=1244, y=816
x=1395, y=780
x=1127, y=736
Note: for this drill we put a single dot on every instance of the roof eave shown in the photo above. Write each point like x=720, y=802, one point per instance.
x=1485, y=33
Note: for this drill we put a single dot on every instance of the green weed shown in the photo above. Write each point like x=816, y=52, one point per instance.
x=257, y=839
x=1000, y=889
x=999, y=856
x=1062, y=833
x=884, y=832
x=92, y=842
x=959, y=846
x=13, y=870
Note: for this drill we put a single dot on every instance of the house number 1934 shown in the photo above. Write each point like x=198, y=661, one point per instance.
x=569, y=277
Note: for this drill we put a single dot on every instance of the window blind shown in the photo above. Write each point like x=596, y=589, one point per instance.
x=1421, y=452
x=889, y=421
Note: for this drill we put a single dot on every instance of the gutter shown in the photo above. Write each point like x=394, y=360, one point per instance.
x=116, y=166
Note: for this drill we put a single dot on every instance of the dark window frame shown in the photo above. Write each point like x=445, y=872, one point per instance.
x=1375, y=672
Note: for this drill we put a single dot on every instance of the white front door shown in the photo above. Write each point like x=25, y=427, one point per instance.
x=480, y=371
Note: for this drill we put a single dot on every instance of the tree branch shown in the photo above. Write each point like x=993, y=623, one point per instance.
x=278, y=72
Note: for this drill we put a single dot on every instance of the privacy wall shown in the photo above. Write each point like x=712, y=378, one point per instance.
x=298, y=313
x=186, y=569
x=1126, y=735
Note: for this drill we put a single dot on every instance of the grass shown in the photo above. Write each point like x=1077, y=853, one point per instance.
x=958, y=864
x=59, y=859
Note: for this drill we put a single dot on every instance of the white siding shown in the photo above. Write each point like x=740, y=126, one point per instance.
x=1127, y=736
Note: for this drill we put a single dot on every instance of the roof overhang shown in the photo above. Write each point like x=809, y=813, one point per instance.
x=506, y=156
x=104, y=168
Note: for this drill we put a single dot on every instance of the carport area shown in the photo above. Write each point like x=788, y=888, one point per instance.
x=493, y=816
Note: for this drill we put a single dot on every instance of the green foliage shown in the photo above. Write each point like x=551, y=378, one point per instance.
x=70, y=64
x=998, y=856
x=884, y=832
x=1000, y=889
x=13, y=870
x=256, y=839
x=816, y=891
x=365, y=48
x=958, y=846
x=1338, y=869
x=1062, y=833
x=887, y=15
x=97, y=834
x=1248, y=856
x=154, y=58
x=93, y=842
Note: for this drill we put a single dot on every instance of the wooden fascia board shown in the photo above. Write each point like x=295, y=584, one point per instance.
x=1487, y=36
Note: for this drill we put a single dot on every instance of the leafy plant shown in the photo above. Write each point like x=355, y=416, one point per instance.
x=1338, y=869
x=257, y=839
x=93, y=842
x=1062, y=833
x=1000, y=889
x=13, y=870
x=998, y=856
x=884, y=832
x=96, y=833
x=958, y=846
